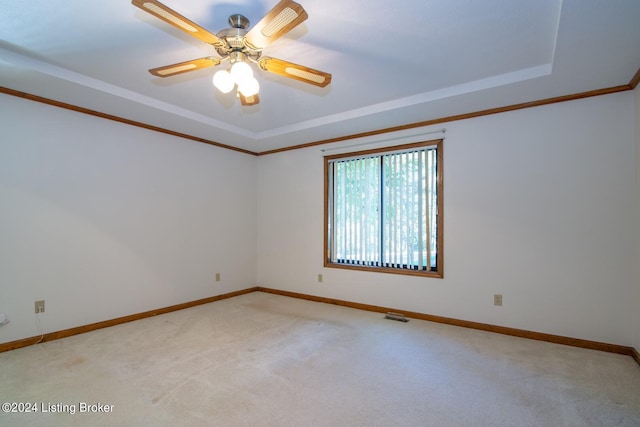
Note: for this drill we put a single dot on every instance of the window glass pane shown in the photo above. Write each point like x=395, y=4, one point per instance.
x=355, y=203
x=406, y=186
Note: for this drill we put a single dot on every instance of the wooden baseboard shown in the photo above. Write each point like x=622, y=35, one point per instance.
x=105, y=324
x=557, y=339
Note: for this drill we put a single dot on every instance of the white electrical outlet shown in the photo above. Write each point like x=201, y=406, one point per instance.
x=497, y=299
x=319, y=278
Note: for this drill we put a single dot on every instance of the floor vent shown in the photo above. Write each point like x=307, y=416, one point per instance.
x=396, y=316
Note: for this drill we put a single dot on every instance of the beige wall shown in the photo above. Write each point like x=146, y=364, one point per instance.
x=636, y=311
x=103, y=220
x=538, y=207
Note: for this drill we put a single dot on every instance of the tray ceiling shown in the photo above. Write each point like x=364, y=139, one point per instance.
x=393, y=63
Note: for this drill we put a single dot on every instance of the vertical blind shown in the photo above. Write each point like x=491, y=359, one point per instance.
x=383, y=210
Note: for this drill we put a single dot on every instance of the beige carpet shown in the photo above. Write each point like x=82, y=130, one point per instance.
x=267, y=360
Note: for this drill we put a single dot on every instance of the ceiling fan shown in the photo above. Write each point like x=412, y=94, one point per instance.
x=240, y=47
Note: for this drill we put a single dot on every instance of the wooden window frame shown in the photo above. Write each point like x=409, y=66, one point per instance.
x=438, y=272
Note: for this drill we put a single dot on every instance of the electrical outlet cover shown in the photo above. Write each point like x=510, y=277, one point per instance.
x=39, y=306
x=497, y=300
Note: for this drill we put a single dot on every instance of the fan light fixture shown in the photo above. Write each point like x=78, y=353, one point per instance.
x=239, y=74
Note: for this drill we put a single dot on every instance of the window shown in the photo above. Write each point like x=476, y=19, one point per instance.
x=383, y=210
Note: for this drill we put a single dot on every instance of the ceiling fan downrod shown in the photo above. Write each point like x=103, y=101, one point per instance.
x=238, y=21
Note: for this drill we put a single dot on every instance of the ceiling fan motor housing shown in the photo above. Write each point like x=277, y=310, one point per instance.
x=234, y=39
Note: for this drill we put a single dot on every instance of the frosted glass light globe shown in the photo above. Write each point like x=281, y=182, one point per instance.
x=249, y=87
x=223, y=81
x=241, y=71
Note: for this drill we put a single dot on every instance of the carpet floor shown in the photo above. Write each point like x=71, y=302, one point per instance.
x=267, y=360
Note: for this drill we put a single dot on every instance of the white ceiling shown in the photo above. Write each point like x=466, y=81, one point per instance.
x=393, y=63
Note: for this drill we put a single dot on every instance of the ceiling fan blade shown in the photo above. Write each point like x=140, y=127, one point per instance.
x=172, y=17
x=280, y=20
x=295, y=71
x=183, y=67
x=249, y=100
